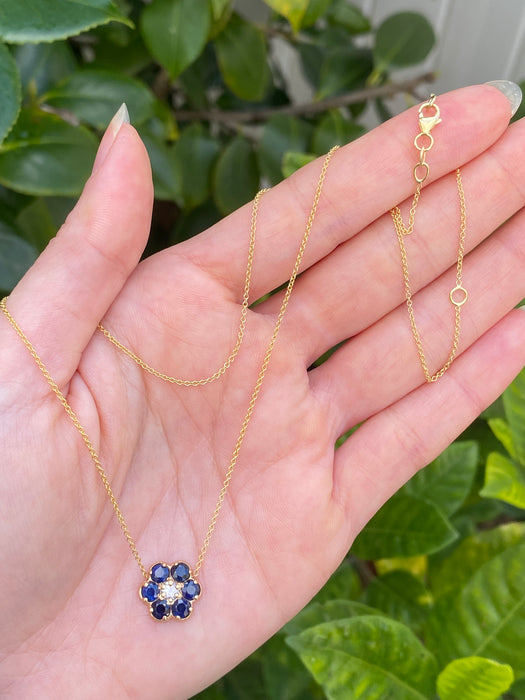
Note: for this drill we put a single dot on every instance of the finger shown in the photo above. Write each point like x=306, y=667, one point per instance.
x=390, y=447
x=366, y=178
x=362, y=280
x=61, y=299
x=381, y=364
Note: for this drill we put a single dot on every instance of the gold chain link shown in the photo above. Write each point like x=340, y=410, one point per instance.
x=426, y=124
x=160, y=375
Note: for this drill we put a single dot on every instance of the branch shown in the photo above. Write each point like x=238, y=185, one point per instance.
x=258, y=115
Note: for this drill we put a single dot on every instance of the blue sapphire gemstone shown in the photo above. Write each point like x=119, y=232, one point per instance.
x=160, y=609
x=150, y=591
x=181, y=608
x=180, y=571
x=159, y=573
x=191, y=590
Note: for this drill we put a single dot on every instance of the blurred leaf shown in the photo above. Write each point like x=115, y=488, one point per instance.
x=471, y=554
x=370, y=657
x=43, y=65
x=417, y=566
x=167, y=177
x=195, y=155
x=241, y=54
x=192, y=222
x=10, y=90
x=293, y=10
x=35, y=21
x=314, y=10
x=16, y=255
x=281, y=134
x=44, y=155
x=348, y=16
x=175, y=31
x=403, y=39
x=474, y=678
x=332, y=610
x=334, y=129
x=447, y=481
x=36, y=224
x=514, y=404
x=219, y=7
x=311, y=57
x=343, y=584
x=518, y=690
x=236, y=177
x=504, y=480
x=487, y=617
x=502, y=431
x=94, y=97
x=401, y=596
x=521, y=109
x=403, y=527
x=293, y=161
x=285, y=677
x=344, y=70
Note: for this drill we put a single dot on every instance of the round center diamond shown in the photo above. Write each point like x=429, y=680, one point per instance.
x=169, y=590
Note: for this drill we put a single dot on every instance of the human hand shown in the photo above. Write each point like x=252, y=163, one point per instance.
x=72, y=624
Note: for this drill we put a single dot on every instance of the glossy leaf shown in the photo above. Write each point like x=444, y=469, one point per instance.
x=281, y=134
x=16, y=256
x=44, y=65
x=236, y=177
x=401, y=596
x=504, y=480
x=474, y=678
x=334, y=129
x=487, y=617
x=167, y=177
x=348, y=16
x=195, y=155
x=10, y=90
x=332, y=610
x=293, y=161
x=471, y=554
x=344, y=70
x=403, y=39
x=514, y=403
x=241, y=54
x=175, y=31
x=95, y=95
x=447, y=481
x=369, y=657
x=34, y=20
x=45, y=155
x=405, y=526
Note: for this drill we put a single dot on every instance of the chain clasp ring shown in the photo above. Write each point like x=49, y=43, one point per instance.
x=426, y=124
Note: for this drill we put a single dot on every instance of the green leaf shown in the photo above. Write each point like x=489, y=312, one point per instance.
x=369, y=657
x=43, y=65
x=285, y=677
x=453, y=572
x=167, y=177
x=474, y=678
x=504, y=480
x=10, y=90
x=403, y=39
x=344, y=584
x=176, y=31
x=502, y=431
x=514, y=403
x=487, y=617
x=195, y=155
x=293, y=10
x=241, y=54
x=405, y=526
x=36, y=223
x=348, y=16
x=518, y=690
x=16, y=256
x=281, y=134
x=335, y=129
x=35, y=21
x=447, y=481
x=344, y=69
x=401, y=596
x=314, y=10
x=293, y=161
x=219, y=7
x=318, y=613
x=95, y=95
x=44, y=155
x=236, y=177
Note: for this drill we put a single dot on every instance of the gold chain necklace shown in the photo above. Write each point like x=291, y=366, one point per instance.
x=169, y=590
x=459, y=295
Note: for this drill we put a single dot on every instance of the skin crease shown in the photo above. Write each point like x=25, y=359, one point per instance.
x=71, y=623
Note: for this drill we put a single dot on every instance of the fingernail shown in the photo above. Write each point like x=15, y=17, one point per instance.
x=511, y=91
x=121, y=117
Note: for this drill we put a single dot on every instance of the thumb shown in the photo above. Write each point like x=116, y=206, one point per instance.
x=60, y=300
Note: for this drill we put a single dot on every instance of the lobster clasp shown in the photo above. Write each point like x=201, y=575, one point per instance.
x=427, y=123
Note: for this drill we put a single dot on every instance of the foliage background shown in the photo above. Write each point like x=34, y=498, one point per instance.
x=430, y=601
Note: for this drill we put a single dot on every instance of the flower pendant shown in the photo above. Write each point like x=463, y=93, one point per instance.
x=170, y=591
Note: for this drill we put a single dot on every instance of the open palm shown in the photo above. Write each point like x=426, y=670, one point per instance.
x=72, y=624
